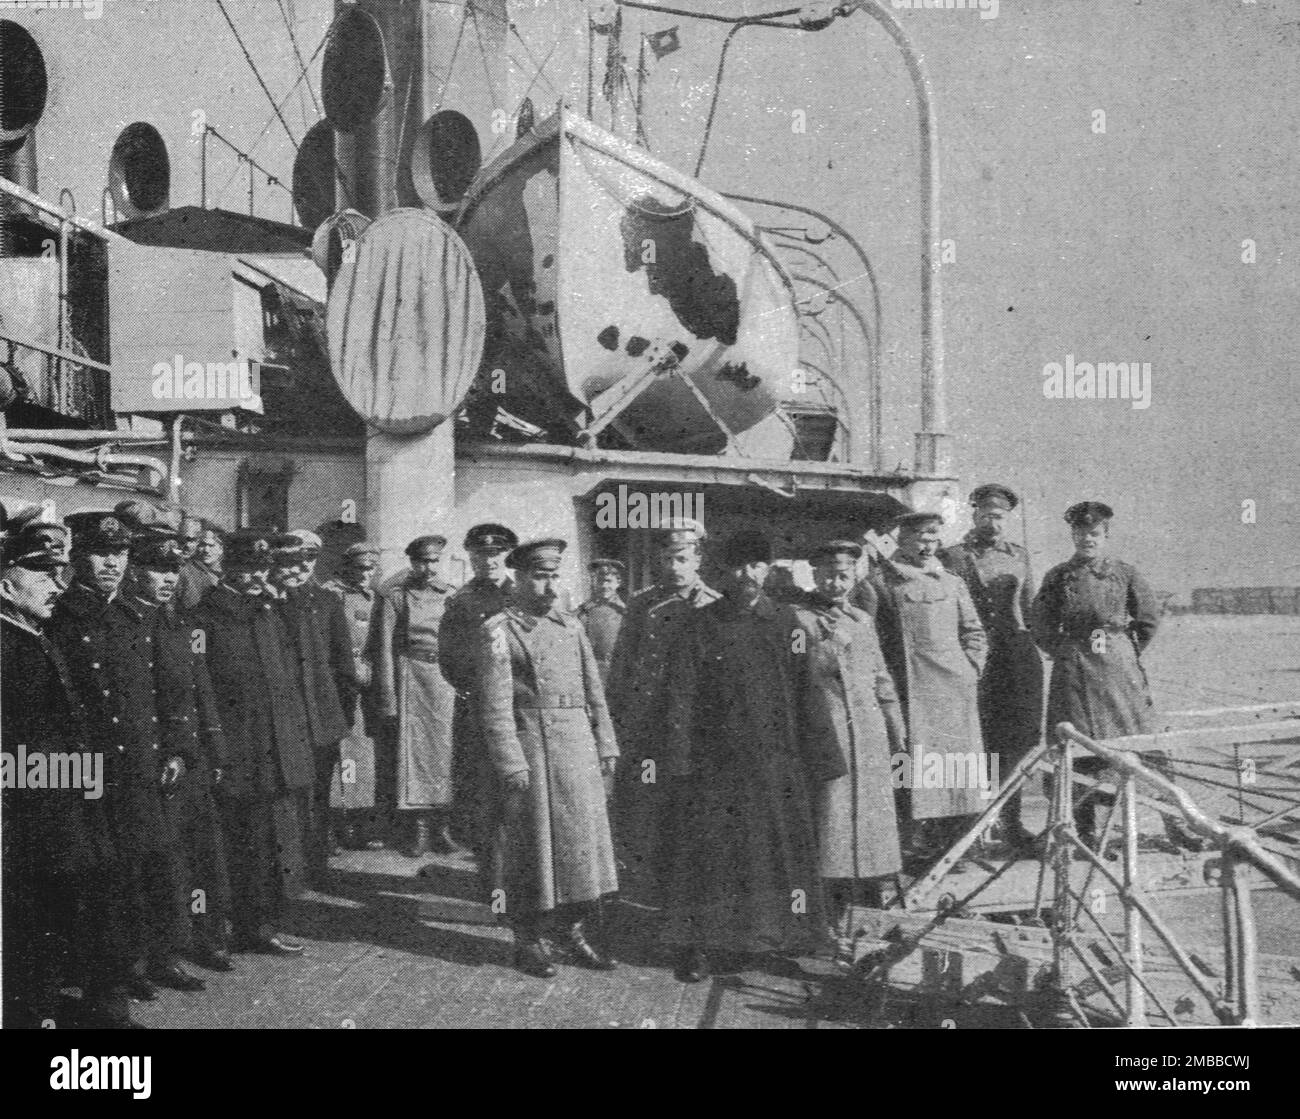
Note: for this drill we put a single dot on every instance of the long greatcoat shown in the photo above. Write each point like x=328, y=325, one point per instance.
x=110, y=651
x=1094, y=619
x=191, y=730
x=542, y=709
x=934, y=645
x=63, y=880
x=1011, y=686
x=744, y=875
x=265, y=757
x=644, y=806
x=412, y=688
x=357, y=750
x=315, y=621
x=477, y=812
x=847, y=698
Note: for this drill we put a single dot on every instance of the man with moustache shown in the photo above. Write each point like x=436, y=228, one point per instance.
x=323, y=646
x=356, y=799
x=996, y=573
x=934, y=644
x=191, y=739
x=63, y=880
x=109, y=650
x=478, y=796
x=847, y=697
x=414, y=699
x=602, y=614
x=549, y=738
x=265, y=768
x=745, y=878
x=644, y=807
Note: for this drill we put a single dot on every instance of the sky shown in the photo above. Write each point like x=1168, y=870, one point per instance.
x=1122, y=245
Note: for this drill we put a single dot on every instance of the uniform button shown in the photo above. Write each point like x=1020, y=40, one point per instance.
x=155, y=718
x=114, y=720
x=86, y=639
x=106, y=693
x=95, y=665
x=155, y=745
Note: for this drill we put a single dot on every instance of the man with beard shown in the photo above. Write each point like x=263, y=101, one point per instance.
x=745, y=878
x=478, y=798
x=415, y=699
x=108, y=645
x=934, y=645
x=602, y=614
x=644, y=804
x=323, y=646
x=549, y=737
x=63, y=881
x=355, y=798
x=265, y=767
x=202, y=568
x=997, y=575
x=847, y=697
x=184, y=706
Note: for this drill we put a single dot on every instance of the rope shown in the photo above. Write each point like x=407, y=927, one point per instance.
x=257, y=73
x=266, y=127
x=297, y=52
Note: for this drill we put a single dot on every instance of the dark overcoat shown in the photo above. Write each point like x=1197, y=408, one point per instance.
x=1011, y=685
x=63, y=879
x=1094, y=619
x=323, y=644
x=744, y=874
x=542, y=710
x=644, y=806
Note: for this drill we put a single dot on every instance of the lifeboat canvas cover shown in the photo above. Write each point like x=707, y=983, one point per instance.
x=406, y=323
x=602, y=264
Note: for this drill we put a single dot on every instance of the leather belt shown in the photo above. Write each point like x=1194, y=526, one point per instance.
x=555, y=703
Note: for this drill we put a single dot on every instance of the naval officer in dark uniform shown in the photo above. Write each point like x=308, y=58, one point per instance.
x=996, y=573
x=63, y=880
x=478, y=797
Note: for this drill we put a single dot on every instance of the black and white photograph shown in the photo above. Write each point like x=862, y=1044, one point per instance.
x=651, y=514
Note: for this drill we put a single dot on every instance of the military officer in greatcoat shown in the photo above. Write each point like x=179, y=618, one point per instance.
x=550, y=740
x=364, y=816
x=265, y=767
x=744, y=878
x=107, y=641
x=602, y=614
x=323, y=645
x=202, y=568
x=63, y=879
x=415, y=700
x=644, y=805
x=478, y=796
x=847, y=697
x=1095, y=616
x=996, y=573
x=935, y=646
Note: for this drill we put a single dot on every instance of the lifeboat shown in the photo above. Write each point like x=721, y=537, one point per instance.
x=623, y=294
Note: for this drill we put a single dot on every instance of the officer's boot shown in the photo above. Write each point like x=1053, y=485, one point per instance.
x=531, y=956
x=584, y=955
x=421, y=837
x=440, y=840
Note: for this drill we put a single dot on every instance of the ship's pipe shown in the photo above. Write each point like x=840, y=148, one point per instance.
x=932, y=455
x=101, y=458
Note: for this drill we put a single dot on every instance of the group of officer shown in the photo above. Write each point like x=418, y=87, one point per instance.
x=721, y=759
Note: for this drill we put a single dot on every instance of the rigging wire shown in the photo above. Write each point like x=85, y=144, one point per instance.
x=270, y=120
x=297, y=52
x=257, y=73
